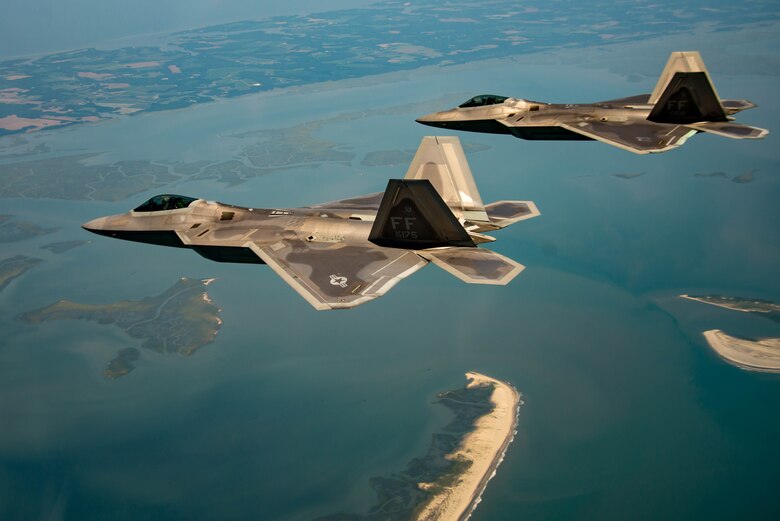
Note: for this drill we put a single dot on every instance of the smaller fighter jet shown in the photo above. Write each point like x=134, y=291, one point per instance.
x=345, y=253
x=683, y=103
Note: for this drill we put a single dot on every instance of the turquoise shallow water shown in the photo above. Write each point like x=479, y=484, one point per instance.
x=289, y=413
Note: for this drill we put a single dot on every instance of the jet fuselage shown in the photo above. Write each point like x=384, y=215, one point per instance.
x=540, y=121
x=683, y=103
x=344, y=253
x=220, y=232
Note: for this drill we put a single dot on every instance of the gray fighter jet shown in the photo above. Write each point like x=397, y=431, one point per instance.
x=345, y=253
x=683, y=103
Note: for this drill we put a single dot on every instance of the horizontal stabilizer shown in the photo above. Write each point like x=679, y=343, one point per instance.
x=732, y=130
x=441, y=160
x=412, y=215
x=475, y=265
x=732, y=106
x=504, y=213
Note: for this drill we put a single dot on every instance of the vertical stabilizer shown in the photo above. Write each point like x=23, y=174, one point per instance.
x=681, y=61
x=441, y=161
x=685, y=93
x=412, y=215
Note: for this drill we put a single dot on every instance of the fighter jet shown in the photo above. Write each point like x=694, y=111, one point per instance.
x=683, y=103
x=344, y=253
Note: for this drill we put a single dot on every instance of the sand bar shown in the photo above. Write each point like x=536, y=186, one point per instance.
x=142, y=65
x=753, y=355
x=95, y=75
x=737, y=304
x=484, y=448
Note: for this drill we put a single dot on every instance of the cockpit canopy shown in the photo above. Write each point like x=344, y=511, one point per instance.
x=165, y=202
x=483, y=100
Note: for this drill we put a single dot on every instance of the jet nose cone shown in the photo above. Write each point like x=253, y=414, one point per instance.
x=435, y=119
x=95, y=225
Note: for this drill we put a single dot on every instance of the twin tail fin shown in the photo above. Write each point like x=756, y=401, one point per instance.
x=684, y=93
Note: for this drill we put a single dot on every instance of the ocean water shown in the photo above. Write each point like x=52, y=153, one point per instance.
x=286, y=416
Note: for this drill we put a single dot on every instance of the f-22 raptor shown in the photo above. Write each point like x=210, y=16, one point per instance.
x=345, y=253
x=683, y=103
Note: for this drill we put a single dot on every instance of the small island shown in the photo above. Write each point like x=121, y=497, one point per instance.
x=15, y=266
x=180, y=320
x=629, y=175
x=12, y=229
x=766, y=308
x=753, y=355
x=447, y=482
x=122, y=363
x=62, y=246
x=479, y=455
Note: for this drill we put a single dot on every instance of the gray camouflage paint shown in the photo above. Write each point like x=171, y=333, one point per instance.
x=322, y=251
x=622, y=122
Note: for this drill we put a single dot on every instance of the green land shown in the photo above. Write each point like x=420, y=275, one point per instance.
x=12, y=229
x=78, y=177
x=234, y=59
x=15, y=266
x=62, y=246
x=180, y=320
x=762, y=308
x=122, y=363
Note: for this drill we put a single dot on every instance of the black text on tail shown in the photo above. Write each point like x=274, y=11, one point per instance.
x=413, y=215
x=688, y=98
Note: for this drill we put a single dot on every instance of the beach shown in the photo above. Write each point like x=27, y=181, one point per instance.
x=484, y=448
x=754, y=355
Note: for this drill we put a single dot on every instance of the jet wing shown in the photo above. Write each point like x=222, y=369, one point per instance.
x=639, y=137
x=335, y=275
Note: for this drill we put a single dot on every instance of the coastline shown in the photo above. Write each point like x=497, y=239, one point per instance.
x=752, y=355
x=484, y=449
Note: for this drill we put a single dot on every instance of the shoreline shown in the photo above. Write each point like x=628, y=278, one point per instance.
x=484, y=448
x=759, y=355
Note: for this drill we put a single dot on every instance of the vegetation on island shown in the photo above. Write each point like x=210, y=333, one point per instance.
x=180, y=320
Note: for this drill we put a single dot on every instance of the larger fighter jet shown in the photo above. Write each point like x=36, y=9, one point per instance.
x=345, y=253
x=683, y=103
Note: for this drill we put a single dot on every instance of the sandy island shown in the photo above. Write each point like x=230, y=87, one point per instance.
x=736, y=304
x=754, y=355
x=484, y=448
